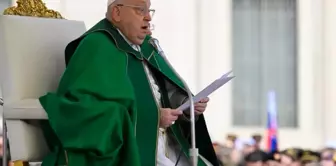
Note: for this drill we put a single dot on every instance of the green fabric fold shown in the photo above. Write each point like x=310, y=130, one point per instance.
x=94, y=124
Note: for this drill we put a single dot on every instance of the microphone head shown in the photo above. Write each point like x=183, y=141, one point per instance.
x=155, y=43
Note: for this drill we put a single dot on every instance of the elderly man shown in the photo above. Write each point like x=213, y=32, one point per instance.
x=115, y=102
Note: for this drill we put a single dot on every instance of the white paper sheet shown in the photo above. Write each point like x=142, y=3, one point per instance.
x=208, y=90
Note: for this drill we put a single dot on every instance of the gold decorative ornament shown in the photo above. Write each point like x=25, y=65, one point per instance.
x=19, y=163
x=33, y=8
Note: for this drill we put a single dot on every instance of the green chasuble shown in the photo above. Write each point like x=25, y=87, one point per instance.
x=104, y=112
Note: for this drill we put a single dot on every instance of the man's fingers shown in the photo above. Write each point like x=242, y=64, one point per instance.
x=176, y=112
x=198, y=112
x=199, y=109
x=205, y=100
x=173, y=118
x=165, y=109
x=200, y=104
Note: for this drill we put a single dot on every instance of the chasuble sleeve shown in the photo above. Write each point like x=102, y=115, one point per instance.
x=93, y=113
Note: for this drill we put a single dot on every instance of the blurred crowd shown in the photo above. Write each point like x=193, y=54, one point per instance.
x=247, y=152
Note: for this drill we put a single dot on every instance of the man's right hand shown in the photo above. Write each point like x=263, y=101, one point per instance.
x=168, y=116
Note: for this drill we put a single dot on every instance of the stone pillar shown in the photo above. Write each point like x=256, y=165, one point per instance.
x=214, y=60
x=330, y=68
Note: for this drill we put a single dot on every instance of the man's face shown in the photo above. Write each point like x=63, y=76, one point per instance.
x=285, y=160
x=327, y=158
x=257, y=163
x=327, y=154
x=134, y=18
x=229, y=143
x=296, y=163
x=273, y=163
x=248, y=149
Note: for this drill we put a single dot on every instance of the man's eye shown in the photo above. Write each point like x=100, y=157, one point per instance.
x=142, y=9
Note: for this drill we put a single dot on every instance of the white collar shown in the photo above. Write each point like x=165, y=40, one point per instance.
x=134, y=46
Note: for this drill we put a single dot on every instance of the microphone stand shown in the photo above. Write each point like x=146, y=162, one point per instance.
x=193, y=151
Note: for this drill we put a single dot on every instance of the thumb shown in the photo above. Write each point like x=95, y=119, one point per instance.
x=176, y=112
x=165, y=109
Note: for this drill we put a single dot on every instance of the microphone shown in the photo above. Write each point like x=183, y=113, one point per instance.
x=193, y=151
x=155, y=43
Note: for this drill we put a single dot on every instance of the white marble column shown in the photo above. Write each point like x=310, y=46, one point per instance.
x=215, y=59
x=330, y=68
x=318, y=110
x=309, y=71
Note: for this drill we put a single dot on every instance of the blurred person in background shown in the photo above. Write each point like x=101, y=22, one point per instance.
x=273, y=163
x=219, y=152
x=246, y=146
x=257, y=138
x=313, y=164
x=327, y=156
x=309, y=157
x=249, y=145
x=273, y=159
x=256, y=158
x=230, y=141
x=222, y=153
x=334, y=159
x=291, y=157
x=227, y=156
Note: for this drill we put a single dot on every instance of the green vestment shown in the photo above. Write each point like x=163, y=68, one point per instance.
x=104, y=112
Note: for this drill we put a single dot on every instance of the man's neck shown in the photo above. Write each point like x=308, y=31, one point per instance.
x=120, y=31
x=125, y=38
x=134, y=46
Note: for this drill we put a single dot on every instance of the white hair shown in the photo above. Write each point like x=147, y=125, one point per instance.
x=109, y=8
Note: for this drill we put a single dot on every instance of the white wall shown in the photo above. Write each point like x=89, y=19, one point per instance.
x=215, y=59
x=175, y=28
x=91, y=11
x=196, y=36
x=317, y=81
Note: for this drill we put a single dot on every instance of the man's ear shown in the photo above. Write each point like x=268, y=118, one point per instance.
x=116, y=13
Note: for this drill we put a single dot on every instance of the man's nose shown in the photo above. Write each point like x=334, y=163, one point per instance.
x=148, y=17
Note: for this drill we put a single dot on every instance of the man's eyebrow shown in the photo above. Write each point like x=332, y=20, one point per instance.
x=141, y=2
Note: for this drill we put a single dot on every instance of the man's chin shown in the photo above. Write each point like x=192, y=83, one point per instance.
x=149, y=33
x=139, y=41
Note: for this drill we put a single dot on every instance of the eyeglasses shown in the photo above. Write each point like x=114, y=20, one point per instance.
x=140, y=9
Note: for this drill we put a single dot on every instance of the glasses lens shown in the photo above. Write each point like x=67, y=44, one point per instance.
x=151, y=13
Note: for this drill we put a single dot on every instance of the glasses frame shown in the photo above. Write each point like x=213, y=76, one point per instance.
x=141, y=9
